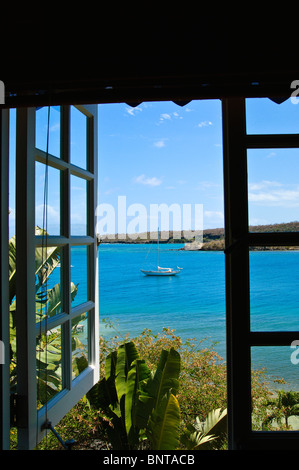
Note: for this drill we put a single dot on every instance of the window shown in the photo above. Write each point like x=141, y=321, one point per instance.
x=71, y=174
x=54, y=375
x=247, y=340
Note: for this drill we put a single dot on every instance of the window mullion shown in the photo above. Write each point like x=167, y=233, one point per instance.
x=65, y=223
x=25, y=272
x=237, y=271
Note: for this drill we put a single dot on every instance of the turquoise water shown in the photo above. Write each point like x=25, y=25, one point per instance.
x=193, y=303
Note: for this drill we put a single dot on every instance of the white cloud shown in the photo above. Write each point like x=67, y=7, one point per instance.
x=133, y=111
x=271, y=154
x=55, y=127
x=263, y=185
x=170, y=117
x=205, y=124
x=160, y=143
x=203, y=185
x=141, y=179
x=165, y=116
x=273, y=193
x=52, y=212
x=111, y=191
x=214, y=214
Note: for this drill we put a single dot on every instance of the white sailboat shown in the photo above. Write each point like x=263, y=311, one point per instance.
x=161, y=271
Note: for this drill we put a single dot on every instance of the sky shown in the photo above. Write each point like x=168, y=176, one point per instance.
x=160, y=154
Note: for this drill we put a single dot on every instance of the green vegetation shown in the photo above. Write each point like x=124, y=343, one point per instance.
x=156, y=391
x=200, y=395
x=281, y=408
x=140, y=405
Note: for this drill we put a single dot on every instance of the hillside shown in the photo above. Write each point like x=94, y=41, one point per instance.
x=213, y=239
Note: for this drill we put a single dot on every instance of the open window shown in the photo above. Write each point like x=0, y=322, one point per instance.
x=56, y=319
x=69, y=173
x=244, y=337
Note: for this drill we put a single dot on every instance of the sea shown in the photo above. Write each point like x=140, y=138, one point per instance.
x=193, y=302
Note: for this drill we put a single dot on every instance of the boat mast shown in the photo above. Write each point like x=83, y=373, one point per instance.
x=158, y=250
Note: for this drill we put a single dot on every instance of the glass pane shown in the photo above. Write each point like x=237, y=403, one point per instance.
x=79, y=344
x=273, y=189
x=275, y=387
x=78, y=206
x=48, y=282
x=41, y=133
x=49, y=365
x=79, y=290
x=264, y=116
x=274, y=295
x=12, y=172
x=78, y=138
x=52, y=218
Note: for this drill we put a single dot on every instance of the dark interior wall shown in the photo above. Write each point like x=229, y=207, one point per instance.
x=118, y=53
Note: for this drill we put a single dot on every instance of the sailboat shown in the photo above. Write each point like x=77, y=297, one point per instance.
x=161, y=271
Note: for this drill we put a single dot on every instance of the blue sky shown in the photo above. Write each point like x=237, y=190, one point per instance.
x=164, y=153
x=161, y=153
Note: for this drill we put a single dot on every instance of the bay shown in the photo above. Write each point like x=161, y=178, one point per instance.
x=193, y=302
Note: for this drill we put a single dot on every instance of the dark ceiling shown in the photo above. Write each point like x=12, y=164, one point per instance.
x=144, y=57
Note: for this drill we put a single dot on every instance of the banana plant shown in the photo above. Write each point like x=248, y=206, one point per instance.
x=202, y=435
x=48, y=303
x=140, y=405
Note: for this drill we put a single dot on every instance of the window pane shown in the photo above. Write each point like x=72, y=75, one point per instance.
x=49, y=365
x=275, y=387
x=79, y=275
x=273, y=188
x=78, y=138
x=274, y=295
x=42, y=130
x=266, y=117
x=48, y=282
x=78, y=206
x=79, y=344
x=52, y=218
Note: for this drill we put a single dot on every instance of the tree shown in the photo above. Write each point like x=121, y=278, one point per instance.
x=285, y=405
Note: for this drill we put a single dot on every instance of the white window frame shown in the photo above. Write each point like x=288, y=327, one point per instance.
x=31, y=422
x=4, y=285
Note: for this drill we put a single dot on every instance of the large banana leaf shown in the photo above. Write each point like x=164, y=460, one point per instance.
x=126, y=354
x=167, y=375
x=138, y=403
x=138, y=373
x=46, y=260
x=12, y=268
x=201, y=435
x=216, y=422
x=165, y=379
x=164, y=424
x=49, y=302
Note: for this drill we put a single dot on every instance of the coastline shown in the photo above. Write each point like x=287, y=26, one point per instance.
x=212, y=239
